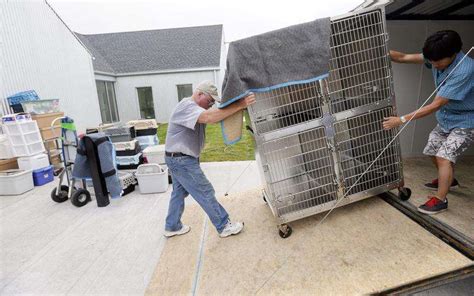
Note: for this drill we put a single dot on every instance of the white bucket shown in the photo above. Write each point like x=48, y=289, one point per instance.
x=152, y=178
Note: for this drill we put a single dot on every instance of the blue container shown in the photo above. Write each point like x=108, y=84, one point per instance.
x=43, y=175
x=15, y=100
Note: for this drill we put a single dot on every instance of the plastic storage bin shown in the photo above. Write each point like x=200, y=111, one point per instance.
x=20, y=127
x=15, y=100
x=16, y=117
x=5, y=148
x=14, y=182
x=24, y=137
x=43, y=175
x=27, y=150
x=152, y=178
x=127, y=160
x=127, y=148
x=142, y=124
x=122, y=146
x=155, y=154
x=146, y=141
x=29, y=95
x=120, y=134
x=34, y=162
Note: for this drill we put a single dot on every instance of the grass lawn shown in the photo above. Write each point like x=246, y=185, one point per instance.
x=215, y=149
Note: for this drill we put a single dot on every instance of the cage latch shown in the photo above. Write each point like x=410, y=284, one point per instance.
x=331, y=147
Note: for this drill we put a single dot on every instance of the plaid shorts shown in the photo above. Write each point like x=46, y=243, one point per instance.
x=449, y=144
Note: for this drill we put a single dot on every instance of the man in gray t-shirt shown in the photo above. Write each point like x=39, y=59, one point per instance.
x=184, y=142
x=185, y=134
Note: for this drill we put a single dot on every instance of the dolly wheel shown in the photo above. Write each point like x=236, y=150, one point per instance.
x=80, y=197
x=404, y=193
x=61, y=196
x=284, y=230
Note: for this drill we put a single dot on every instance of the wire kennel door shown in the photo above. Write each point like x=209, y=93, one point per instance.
x=359, y=68
x=359, y=140
x=299, y=173
x=315, y=140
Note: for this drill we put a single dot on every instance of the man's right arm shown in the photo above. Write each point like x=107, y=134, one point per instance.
x=215, y=115
x=406, y=58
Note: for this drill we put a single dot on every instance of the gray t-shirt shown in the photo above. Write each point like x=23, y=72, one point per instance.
x=185, y=134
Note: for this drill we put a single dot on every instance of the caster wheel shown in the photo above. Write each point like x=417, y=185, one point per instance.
x=80, y=197
x=404, y=193
x=62, y=195
x=284, y=231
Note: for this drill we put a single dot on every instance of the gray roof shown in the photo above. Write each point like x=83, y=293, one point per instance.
x=155, y=50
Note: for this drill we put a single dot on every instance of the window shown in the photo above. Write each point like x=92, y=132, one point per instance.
x=107, y=101
x=184, y=91
x=145, y=101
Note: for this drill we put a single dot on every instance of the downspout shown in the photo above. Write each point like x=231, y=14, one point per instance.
x=215, y=77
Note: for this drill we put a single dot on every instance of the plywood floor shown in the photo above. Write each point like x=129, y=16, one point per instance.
x=460, y=213
x=361, y=248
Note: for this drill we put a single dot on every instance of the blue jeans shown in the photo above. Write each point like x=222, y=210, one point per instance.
x=188, y=178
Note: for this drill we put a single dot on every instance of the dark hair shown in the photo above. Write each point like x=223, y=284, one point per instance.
x=442, y=44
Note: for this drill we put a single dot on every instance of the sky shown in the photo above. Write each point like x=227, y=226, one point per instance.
x=241, y=18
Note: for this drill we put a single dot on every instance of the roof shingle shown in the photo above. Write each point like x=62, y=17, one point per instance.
x=155, y=50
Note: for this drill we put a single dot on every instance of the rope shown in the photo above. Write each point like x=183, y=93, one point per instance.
x=227, y=191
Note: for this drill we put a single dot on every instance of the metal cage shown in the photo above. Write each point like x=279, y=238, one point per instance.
x=315, y=140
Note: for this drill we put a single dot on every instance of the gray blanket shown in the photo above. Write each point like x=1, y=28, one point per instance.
x=276, y=59
x=106, y=150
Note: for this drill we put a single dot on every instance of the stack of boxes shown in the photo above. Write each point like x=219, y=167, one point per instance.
x=50, y=134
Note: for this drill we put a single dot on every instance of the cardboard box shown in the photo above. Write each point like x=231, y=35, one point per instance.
x=55, y=158
x=44, y=120
x=47, y=134
x=8, y=164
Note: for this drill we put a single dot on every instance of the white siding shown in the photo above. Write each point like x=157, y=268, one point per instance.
x=39, y=52
x=165, y=93
x=414, y=83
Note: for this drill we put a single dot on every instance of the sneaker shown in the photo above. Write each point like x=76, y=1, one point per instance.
x=185, y=229
x=434, y=184
x=433, y=206
x=232, y=228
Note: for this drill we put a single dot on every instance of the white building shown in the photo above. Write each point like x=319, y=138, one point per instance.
x=39, y=52
x=144, y=74
x=409, y=23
